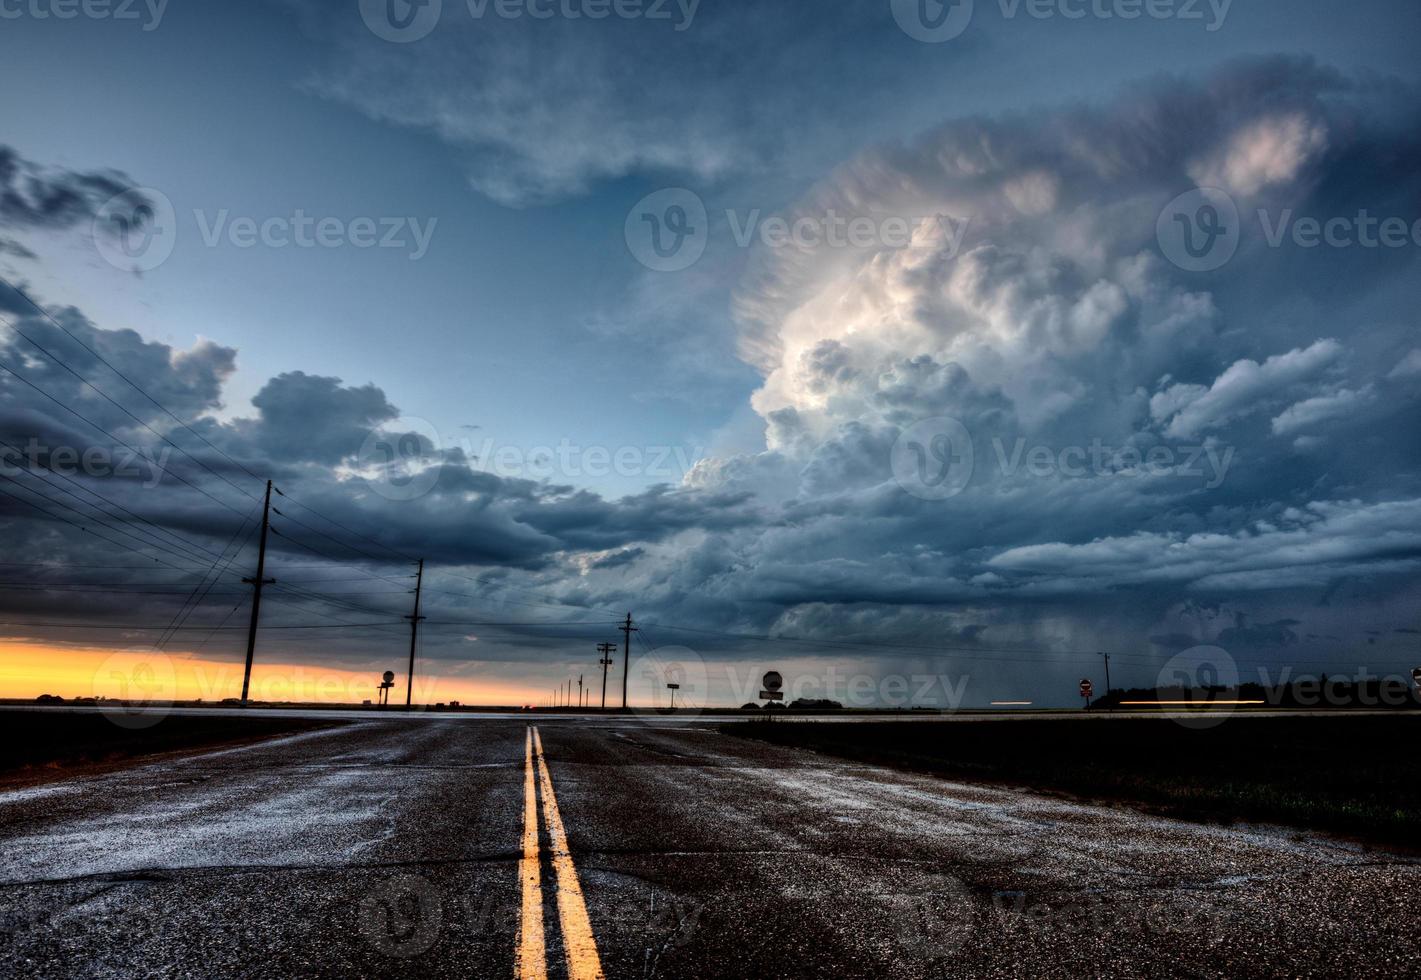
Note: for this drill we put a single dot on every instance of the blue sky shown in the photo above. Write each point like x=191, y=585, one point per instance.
x=524, y=144
x=221, y=106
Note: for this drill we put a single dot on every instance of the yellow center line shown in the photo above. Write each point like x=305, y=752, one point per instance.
x=583, y=963
x=531, y=962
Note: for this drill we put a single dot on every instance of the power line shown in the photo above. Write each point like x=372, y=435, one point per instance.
x=323, y=554
x=121, y=626
x=25, y=587
x=343, y=544
x=133, y=384
x=556, y=602
x=65, y=520
x=71, y=564
x=182, y=616
x=448, y=622
x=108, y=500
x=101, y=522
x=173, y=473
x=348, y=530
x=281, y=600
x=313, y=596
x=104, y=395
x=213, y=632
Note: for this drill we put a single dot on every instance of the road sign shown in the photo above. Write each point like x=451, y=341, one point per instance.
x=389, y=676
x=772, y=681
x=674, y=687
x=771, y=696
x=1087, y=688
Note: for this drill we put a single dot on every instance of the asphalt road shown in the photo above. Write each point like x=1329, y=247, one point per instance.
x=444, y=846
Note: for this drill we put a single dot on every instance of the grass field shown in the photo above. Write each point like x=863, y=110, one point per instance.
x=36, y=746
x=1359, y=777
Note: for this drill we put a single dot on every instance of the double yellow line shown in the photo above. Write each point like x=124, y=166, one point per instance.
x=580, y=948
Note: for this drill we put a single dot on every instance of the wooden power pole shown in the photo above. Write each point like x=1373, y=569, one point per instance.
x=627, y=630
x=414, y=619
x=256, y=584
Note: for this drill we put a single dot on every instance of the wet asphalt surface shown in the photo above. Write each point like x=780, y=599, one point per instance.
x=391, y=848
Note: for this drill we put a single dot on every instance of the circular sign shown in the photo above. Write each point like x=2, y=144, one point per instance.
x=389, y=676
x=772, y=681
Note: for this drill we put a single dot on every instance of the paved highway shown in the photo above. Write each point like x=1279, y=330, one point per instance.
x=610, y=847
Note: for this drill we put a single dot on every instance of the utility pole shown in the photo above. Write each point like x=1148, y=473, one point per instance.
x=604, y=654
x=414, y=619
x=256, y=584
x=627, y=630
x=1107, y=674
x=579, y=691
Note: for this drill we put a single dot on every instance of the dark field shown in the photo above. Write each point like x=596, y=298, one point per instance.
x=45, y=744
x=1359, y=777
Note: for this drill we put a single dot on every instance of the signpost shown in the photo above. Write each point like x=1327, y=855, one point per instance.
x=387, y=681
x=771, y=684
x=673, y=688
x=1087, y=690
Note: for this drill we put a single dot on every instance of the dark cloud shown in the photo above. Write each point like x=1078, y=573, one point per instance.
x=1242, y=636
x=33, y=197
x=1279, y=387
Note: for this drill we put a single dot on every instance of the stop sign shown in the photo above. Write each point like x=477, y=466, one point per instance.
x=772, y=680
x=1087, y=688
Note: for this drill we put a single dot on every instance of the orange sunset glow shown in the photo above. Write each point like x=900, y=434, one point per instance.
x=29, y=669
